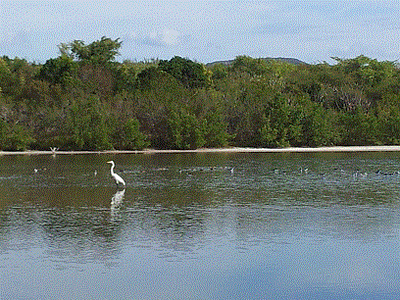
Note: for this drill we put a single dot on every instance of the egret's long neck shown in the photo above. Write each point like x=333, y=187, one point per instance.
x=112, y=169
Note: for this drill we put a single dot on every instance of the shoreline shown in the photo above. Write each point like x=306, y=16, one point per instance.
x=217, y=150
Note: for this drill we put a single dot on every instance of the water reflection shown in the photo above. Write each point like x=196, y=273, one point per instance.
x=116, y=202
x=188, y=227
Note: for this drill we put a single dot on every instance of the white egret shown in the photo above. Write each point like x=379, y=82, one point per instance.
x=118, y=179
x=53, y=151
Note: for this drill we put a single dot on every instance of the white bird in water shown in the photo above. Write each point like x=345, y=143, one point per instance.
x=118, y=179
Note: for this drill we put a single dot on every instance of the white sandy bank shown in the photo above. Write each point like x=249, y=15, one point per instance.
x=221, y=150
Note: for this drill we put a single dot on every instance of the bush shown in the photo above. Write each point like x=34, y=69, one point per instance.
x=88, y=125
x=129, y=137
x=185, y=130
x=189, y=73
x=15, y=137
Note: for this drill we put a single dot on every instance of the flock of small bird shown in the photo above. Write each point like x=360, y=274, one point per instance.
x=342, y=174
x=357, y=174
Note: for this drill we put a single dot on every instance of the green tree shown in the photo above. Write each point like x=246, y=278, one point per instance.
x=321, y=126
x=88, y=125
x=249, y=65
x=6, y=80
x=57, y=70
x=186, y=130
x=127, y=73
x=360, y=128
x=216, y=134
x=219, y=71
x=388, y=120
x=102, y=51
x=14, y=137
x=189, y=73
x=129, y=136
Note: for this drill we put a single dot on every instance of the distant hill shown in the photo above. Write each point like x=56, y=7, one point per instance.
x=292, y=61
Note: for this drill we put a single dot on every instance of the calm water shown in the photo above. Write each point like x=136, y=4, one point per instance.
x=201, y=226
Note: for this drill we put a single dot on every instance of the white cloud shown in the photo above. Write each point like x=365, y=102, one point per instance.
x=170, y=36
x=164, y=38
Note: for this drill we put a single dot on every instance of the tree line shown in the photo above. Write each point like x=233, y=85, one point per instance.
x=85, y=100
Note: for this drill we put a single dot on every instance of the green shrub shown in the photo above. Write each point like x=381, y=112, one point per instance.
x=129, y=137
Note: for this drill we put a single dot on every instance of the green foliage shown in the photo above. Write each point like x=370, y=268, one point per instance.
x=154, y=78
x=268, y=134
x=190, y=131
x=366, y=71
x=127, y=74
x=15, y=75
x=85, y=100
x=189, y=73
x=359, y=128
x=14, y=137
x=219, y=71
x=321, y=127
x=281, y=124
x=57, y=70
x=129, y=137
x=6, y=76
x=186, y=130
x=251, y=66
x=216, y=134
x=19, y=138
x=88, y=126
x=100, y=52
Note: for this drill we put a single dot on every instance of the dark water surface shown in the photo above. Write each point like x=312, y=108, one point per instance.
x=201, y=226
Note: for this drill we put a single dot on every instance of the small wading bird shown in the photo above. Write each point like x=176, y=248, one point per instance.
x=54, y=149
x=118, y=179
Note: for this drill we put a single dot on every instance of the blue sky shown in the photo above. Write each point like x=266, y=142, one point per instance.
x=205, y=31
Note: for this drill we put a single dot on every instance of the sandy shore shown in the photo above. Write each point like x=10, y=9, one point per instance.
x=220, y=150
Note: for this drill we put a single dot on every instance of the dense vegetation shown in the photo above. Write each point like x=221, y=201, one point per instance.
x=86, y=100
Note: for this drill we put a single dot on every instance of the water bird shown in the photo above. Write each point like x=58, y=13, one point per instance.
x=305, y=170
x=53, y=151
x=37, y=170
x=118, y=179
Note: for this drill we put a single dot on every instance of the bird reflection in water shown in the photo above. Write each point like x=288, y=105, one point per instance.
x=116, y=202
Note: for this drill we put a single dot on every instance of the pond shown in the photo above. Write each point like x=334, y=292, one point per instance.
x=201, y=226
